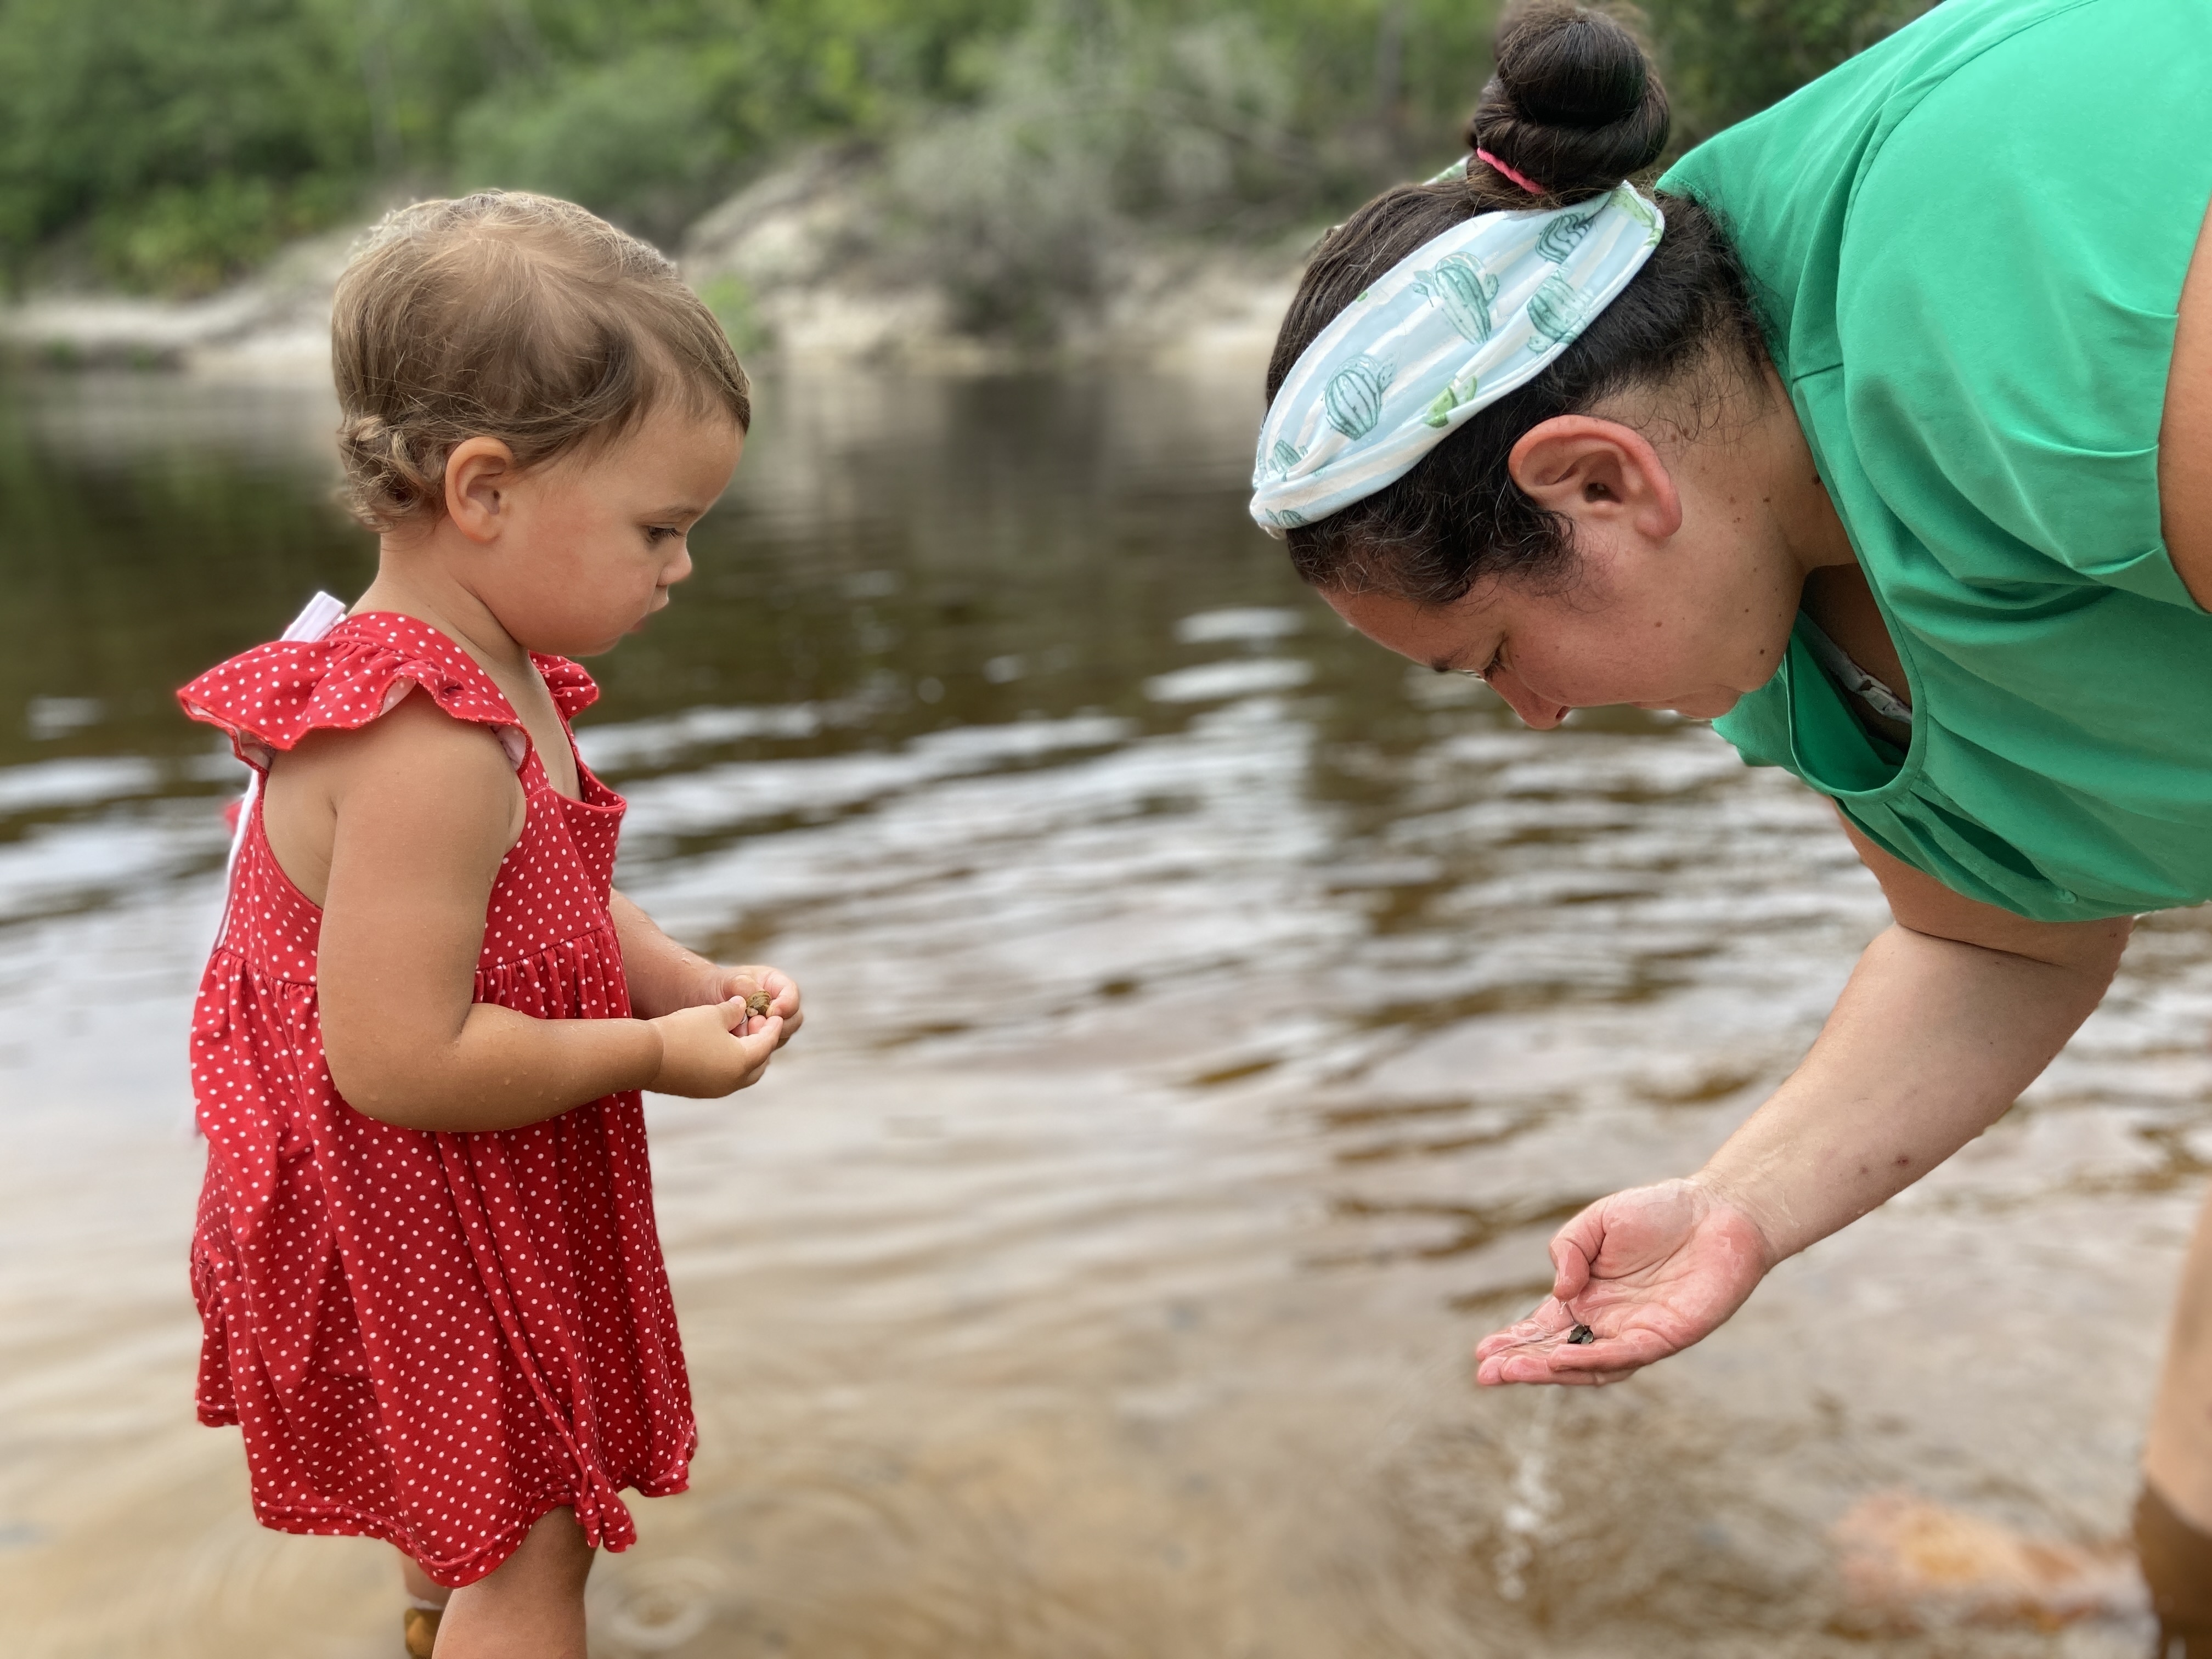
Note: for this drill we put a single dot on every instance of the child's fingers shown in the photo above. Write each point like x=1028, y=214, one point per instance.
x=759, y=1045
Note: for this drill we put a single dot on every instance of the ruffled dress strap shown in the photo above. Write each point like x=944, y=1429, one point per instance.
x=271, y=697
x=573, y=691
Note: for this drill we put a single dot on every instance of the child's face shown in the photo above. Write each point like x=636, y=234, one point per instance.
x=596, y=540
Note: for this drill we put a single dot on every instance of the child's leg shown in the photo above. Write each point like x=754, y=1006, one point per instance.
x=531, y=1607
x=426, y=1600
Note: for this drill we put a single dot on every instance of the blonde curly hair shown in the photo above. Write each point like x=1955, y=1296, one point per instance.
x=514, y=316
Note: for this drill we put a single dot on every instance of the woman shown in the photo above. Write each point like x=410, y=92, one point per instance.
x=1883, y=438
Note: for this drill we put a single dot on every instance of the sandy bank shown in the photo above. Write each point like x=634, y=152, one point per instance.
x=795, y=264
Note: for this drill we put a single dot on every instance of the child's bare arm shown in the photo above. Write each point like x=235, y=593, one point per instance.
x=664, y=976
x=424, y=810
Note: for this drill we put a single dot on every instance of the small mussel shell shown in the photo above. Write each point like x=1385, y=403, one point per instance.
x=1582, y=1336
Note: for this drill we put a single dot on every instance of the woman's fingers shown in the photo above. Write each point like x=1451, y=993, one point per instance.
x=1574, y=1247
x=1549, y=1321
x=1545, y=1355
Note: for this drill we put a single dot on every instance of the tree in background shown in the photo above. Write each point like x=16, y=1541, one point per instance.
x=1726, y=59
x=171, y=144
x=1103, y=123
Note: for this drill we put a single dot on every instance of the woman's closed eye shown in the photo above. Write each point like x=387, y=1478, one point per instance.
x=1497, y=661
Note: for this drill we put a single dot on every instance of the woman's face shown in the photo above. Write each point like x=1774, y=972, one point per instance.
x=1681, y=595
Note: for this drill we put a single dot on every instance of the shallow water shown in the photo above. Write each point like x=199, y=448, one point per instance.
x=1208, y=1020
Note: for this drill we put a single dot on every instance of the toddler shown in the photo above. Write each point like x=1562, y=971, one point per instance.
x=426, y=1261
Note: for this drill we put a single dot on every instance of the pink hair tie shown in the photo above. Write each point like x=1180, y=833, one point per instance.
x=1514, y=173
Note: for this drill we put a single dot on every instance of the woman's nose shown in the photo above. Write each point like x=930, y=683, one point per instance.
x=1539, y=713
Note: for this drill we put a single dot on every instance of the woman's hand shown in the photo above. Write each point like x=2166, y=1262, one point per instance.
x=1949, y=1015
x=1651, y=1271
x=706, y=1052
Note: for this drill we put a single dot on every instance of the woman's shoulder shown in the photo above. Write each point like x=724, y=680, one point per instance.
x=2007, y=289
x=1788, y=150
x=1929, y=113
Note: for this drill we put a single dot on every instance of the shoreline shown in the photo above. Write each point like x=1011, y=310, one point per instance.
x=784, y=264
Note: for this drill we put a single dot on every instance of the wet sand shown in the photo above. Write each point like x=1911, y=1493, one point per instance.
x=1208, y=1021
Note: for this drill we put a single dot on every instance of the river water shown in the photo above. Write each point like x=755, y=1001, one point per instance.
x=1209, y=1018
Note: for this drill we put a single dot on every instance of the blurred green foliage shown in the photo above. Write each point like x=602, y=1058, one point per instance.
x=1100, y=116
x=1726, y=59
x=169, y=144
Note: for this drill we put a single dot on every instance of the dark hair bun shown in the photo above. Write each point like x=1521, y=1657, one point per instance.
x=1575, y=104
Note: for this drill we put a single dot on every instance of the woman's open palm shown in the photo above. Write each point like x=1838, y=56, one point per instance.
x=1651, y=1271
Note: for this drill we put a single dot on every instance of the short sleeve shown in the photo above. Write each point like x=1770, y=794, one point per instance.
x=2006, y=295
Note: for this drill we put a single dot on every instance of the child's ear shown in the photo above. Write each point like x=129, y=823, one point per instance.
x=478, y=475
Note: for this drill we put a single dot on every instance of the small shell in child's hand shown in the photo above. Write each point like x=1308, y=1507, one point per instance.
x=757, y=1005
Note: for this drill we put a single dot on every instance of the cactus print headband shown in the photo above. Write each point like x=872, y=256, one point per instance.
x=1483, y=308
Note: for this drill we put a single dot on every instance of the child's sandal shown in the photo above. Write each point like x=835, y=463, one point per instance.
x=2176, y=1564
x=421, y=1629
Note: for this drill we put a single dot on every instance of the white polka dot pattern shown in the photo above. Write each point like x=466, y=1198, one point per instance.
x=429, y=1338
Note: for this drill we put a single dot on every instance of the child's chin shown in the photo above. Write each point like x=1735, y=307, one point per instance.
x=576, y=649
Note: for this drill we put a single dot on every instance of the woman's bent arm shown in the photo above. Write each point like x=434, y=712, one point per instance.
x=1949, y=1016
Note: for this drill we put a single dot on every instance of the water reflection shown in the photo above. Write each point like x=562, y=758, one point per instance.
x=1208, y=1019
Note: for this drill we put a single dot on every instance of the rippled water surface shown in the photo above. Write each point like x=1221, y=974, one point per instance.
x=1209, y=1018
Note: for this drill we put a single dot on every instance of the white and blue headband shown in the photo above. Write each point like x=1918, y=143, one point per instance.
x=1466, y=318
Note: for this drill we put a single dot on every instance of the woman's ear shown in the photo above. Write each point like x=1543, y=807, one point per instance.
x=1588, y=470
x=479, y=476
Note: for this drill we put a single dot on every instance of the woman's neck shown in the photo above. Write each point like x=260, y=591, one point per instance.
x=1811, y=529
x=1836, y=594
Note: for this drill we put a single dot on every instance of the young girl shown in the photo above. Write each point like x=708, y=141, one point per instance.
x=426, y=1259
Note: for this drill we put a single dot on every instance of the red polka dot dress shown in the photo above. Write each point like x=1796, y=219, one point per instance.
x=429, y=1338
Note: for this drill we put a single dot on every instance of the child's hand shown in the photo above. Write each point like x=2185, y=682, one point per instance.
x=770, y=982
x=705, y=1054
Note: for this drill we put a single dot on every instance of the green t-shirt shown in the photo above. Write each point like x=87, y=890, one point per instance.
x=1968, y=243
